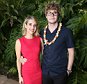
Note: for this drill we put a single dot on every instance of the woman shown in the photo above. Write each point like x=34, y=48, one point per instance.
x=29, y=45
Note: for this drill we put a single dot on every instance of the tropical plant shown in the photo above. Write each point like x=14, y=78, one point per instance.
x=77, y=12
x=74, y=16
x=12, y=13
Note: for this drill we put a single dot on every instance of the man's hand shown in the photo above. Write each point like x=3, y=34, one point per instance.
x=69, y=72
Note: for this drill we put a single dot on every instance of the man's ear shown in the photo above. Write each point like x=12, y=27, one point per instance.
x=46, y=16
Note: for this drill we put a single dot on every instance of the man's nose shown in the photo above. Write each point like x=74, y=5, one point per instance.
x=52, y=14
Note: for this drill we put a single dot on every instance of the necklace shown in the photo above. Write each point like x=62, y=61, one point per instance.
x=55, y=37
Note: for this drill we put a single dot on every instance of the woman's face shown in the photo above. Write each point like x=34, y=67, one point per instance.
x=31, y=26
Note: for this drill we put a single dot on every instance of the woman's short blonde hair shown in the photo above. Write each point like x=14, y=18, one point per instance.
x=25, y=22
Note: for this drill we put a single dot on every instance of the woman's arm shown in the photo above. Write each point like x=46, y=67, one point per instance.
x=18, y=55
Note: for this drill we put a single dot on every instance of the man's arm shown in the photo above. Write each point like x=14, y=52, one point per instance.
x=70, y=59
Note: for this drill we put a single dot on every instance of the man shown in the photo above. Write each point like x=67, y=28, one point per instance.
x=58, y=53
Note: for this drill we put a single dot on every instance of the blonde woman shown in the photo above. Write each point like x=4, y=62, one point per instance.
x=29, y=45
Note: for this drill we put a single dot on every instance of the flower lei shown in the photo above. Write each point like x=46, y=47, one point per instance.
x=56, y=36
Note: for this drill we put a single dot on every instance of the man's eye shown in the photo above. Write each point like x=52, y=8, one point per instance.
x=50, y=12
x=55, y=12
x=35, y=25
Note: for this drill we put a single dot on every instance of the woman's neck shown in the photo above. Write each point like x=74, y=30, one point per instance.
x=29, y=36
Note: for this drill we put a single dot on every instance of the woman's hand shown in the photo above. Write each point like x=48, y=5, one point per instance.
x=21, y=80
x=23, y=60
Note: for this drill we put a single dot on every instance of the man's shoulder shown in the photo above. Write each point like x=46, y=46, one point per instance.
x=65, y=29
x=41, y=33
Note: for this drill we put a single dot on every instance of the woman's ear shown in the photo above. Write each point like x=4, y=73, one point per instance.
x=25, y=25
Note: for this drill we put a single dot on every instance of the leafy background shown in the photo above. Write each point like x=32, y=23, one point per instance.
x=73, y=16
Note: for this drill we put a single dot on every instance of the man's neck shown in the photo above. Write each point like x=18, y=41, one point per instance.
x=52, y=27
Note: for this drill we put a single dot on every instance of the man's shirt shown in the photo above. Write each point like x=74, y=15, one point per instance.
x=55, y=55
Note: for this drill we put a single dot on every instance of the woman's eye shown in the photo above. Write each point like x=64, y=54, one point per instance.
x=30, y=24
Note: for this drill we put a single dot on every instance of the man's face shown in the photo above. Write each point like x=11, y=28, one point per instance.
x=52, y=16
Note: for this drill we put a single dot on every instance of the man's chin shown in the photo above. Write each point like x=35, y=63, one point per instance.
x=53, y=22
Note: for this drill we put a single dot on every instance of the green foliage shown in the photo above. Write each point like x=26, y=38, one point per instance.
x=78, y=24
x=82, y=77
x=12, y=70
x=78, y=77
x=2, y=39
x=73, y=15
x=9, y=54
x=39, y=14
x=12, y=73
x=2, y=46
x=12, y=14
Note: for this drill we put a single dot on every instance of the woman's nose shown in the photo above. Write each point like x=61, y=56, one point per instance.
x=33, y=27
